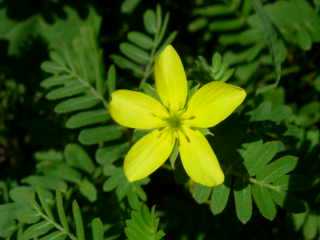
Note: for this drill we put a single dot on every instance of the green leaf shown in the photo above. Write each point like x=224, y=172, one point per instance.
x=24, y=213
x=88, y=190
x=63, y=171
x=167, y=41
x=57, y=235
x=37, y=230
x=52, y=67
x=80, y=233
x=268, y=111
x=141, y=39
x=283, y=183
x=109, y=154
x=7, y=219
x=134, y=53
x=55, y=80
x=219, y=69
x=143, y=224
x=86, y=118
x=51, y=155
x=277, y=169
x=22, y=195
x=45, y=199
x=197, y=24
x=16, y=32
x=226, y=25
x=200, y=193
x=73, y=88
x=76, y=104
x=215, y=10
x=79, y=62
x=118, y=181
x=304, y=39
x=243, y=203
x=292, y=27
x=100, y=134
x=64, y=30
x=58, y=58
x=257, y=154
x=61, y=212
x=46, y=182
x=287, y=201
x=111, y=81
x=216, y=62
x=162, y=24
x=150, y=22
x=126, y=64
x=271, y=37
x=310, y=227
x=317, y=84
x=97, y=229
x=77, y=157
x=279, y=197
x=219, y=198
x=264, y=202
x=128, y=6
x=136, y=57
x=299, y=220
x=150, y=90
x=116, y=178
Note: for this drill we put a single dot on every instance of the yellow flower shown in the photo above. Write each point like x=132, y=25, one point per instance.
x=174, y=120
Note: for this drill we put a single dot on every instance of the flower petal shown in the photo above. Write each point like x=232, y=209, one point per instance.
x=170, y=77
x=136, y=110
x=213, y=103
x=148, y=154
x=198, y=158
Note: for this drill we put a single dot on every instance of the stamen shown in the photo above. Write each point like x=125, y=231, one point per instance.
x=155, y=115
x=185, y=134
x=161, y=131
x=174, y=121
x=189, y=118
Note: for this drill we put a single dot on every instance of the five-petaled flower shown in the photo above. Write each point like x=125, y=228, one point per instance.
x=174, y=119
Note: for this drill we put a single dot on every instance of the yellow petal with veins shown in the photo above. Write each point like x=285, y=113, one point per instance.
x=170, y=79
x=148, y=154
x=213, y=103
x=136, y=110
x=198, y=158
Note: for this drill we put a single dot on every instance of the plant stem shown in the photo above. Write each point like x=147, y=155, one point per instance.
x=56, y=225
x=148, y=68
x=92, y=89
x=264, y=184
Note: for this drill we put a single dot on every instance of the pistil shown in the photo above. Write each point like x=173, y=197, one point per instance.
x=174, y=121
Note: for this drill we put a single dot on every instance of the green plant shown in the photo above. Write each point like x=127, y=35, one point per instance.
x=61, y=154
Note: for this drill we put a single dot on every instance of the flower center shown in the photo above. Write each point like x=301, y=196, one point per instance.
x=174, y=121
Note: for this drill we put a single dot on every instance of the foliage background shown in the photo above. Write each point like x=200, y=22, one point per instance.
x=61, y=155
